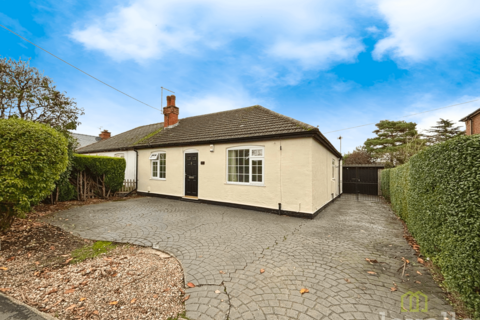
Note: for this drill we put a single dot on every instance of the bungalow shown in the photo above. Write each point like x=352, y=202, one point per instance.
x=250, y=157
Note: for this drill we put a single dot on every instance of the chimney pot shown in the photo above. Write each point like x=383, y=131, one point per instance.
x=170, y=112
x=105, y=135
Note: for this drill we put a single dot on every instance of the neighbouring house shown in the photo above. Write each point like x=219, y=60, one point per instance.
x=472, y=122
x=85, y=139
x=249, y=157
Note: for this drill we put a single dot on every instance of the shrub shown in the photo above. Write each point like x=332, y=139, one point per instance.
x=112, y=168
x=385, y=183
x=32, y=157
x=437, y=193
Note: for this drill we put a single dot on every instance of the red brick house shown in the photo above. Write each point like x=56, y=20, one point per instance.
x=472, y=121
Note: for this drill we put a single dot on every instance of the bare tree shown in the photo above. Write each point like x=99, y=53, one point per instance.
x=27, y=94
x=358, y=156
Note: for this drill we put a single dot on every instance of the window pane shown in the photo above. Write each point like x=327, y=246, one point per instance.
x=246, y=178
x=155, y=169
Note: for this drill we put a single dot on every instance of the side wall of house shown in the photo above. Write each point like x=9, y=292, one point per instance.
x=325, y=178
x=130, y=157
x=287, y=177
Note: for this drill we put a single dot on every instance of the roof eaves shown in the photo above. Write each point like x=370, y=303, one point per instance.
x=471, y=115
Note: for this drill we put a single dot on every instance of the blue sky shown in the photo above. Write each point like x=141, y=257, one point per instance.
x=335, y=64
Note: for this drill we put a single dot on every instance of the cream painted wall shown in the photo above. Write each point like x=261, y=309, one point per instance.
x=288, y=175
x=322, y=183
x=130, y=157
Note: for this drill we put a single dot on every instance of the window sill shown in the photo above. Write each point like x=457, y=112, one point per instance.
x=160, y=179
x=244, y=184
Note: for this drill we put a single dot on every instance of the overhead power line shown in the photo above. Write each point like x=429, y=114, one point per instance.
x=410, y=115
x=71, y=65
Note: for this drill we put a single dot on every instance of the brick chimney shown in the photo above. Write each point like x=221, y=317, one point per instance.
x=170, y=112
x=105, y=135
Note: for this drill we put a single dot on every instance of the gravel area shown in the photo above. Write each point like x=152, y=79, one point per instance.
x=127, y=282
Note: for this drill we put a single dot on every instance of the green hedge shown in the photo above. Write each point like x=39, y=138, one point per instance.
x=113, y=168
x=437, y=193
x=385, y=184
x=32, y=158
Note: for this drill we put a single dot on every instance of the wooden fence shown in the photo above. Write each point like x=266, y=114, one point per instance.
x=128, y=185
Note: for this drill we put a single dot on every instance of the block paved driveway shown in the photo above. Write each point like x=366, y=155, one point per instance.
x=223, y=249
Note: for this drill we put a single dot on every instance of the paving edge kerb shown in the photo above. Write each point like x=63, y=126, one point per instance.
x=17, y=302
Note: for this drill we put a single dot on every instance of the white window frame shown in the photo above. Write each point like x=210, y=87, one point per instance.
x=251, y=158
x=157, y=160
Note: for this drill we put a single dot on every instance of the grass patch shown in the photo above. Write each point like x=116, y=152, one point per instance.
x=89, y=252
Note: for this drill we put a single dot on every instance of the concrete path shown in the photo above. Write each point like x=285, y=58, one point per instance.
x=223, y=250
x=11, y=309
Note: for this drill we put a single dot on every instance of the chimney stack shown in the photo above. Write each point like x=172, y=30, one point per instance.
x=105, y=135
x=170, y=112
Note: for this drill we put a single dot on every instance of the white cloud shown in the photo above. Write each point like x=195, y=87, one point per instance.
x=427, y=120
x=420, y=30
x=319, y=54
x=147, y=29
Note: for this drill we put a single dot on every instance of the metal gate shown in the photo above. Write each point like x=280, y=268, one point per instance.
x=360, y=180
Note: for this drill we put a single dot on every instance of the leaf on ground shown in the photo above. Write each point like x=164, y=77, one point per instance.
x=419, y=273
x=167, y=289
x=347, y=280
x=371, y=272
x=37, y=263
x=155, y=295
x=108, y=259
x=95, y=312
x=113, y=303
x=3, y=268
x=222, y=272
x=186, y=298
x=372, y=261
x=133, y=300
x=69, y=291
x=262, y=270
x=68, y=260
x=181, y=290
x=114, y=275
x=416, y=281
x=83, y=299
x=304, y=290
x=217, y=291
x=11, y=259
x=71, y=307
x=420, y=260
x=4, y=289
x=51, y=291
x=191, y=285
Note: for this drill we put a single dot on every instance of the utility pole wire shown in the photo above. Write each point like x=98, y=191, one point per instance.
x=410, y=115
x=71, y=65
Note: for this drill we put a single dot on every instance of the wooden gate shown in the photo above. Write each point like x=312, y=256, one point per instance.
x=361, y=179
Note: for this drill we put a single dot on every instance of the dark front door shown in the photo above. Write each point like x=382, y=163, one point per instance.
x=191, y=174
x=363, y=180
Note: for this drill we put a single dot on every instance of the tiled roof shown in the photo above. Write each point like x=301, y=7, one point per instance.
x=240, y=124
x=85, y=139
x=471, y=115
x=123, y=140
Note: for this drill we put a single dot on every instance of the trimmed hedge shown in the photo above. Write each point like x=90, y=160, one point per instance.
x=113, y=168
x=32, y=158
x=385, y=183
x=437, y=193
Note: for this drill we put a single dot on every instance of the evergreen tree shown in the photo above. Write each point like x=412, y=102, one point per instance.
x=391, y=137
x=443, y=131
